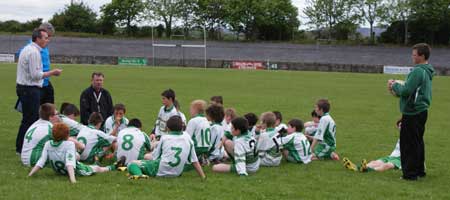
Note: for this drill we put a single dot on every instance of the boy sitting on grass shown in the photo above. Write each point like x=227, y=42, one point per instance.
x=324, y=141
x=296, y=146
x=96, y=142
x=68, y=114
x=241, y=147
x=165, y=112
x=38, y=133
x=311, y=126
x=61, y=155
x=169, y=158
x=132, y=143
x=115, y=123
x=215, y=114
x=268, y=143
x=199, y=130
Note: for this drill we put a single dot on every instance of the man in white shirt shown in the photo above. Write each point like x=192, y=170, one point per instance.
x=29, y=80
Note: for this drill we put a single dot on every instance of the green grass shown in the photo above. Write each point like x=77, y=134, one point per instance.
x=364, y=111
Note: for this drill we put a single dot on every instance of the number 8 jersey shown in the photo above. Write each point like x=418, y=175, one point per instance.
x=174, y=150
x=132, y=143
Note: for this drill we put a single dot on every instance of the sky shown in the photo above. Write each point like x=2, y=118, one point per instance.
x=26, y=10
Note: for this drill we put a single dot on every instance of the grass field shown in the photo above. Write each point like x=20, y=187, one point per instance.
x=364, y=112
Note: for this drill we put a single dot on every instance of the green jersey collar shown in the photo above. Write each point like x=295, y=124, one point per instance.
x=199, y=115
x=243, y=134
x=122, y=121
x=175, y=133
x=55, y=144
x=168, y=109
x=270, y=129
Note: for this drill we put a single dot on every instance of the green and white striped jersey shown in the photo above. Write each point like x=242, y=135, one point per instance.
x=164, y=115
x=281, y=126
x=326, y=131
x=34, y=141
x=110, y=123
x=245, y=155
x=74, y=126
x=133, y=144
x=199, y=130
x=216, y=151
x=60, y=154
x=268, y=146
x=298, y=147
x=94, y=141
x=173, y=151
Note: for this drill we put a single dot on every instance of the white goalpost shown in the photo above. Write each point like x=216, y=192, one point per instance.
x=182, y=46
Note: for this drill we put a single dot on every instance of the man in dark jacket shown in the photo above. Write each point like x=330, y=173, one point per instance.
x=415, y=99
x=95, y=99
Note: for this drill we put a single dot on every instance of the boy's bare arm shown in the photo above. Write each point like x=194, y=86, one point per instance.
x=71, y=173
x=199, y=170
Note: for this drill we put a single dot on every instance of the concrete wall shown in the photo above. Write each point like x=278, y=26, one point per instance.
x=301, y=66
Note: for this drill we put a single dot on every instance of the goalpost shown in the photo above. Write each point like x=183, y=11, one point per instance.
x=182, y=46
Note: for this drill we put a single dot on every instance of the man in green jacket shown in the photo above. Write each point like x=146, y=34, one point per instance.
x=415, y=99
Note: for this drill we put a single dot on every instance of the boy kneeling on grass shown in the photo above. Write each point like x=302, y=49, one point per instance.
x=241, y=147
x=62, y=156
x=169, y=158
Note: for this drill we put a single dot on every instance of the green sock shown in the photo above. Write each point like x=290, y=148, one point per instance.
x=111, y=167
x=134, y=169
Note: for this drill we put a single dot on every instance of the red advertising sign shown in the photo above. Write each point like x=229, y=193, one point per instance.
x=247, y=65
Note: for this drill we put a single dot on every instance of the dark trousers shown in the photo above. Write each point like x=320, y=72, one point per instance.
x=412, y=147
x=47, y=94
x=29, y=97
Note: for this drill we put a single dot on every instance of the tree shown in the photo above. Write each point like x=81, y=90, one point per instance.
x=76, y=17
x=124, y=13
x=187, y=15
x=329, y=13
x=165, y=10
x=211, y=14
x=372, y=11
x=32, y=24
x=400, y=10
x=263, y=19
x=278, y=20
x=428, y=17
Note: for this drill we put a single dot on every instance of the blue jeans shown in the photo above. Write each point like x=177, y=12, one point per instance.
x=29, y=97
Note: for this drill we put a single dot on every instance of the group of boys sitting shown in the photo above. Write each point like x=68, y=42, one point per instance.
x=213, y=136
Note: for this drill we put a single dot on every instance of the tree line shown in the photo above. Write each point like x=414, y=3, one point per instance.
x=405, y=21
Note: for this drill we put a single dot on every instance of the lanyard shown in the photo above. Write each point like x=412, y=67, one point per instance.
x=98, y=100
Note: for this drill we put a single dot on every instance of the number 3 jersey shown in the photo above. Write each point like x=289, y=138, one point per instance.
x=173, y=151
x=132, y=143
x=34, y=141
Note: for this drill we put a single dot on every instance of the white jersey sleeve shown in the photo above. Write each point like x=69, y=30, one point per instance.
x=43, y=159
x=74, y=126
x=239, y=158
x=396, y=151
